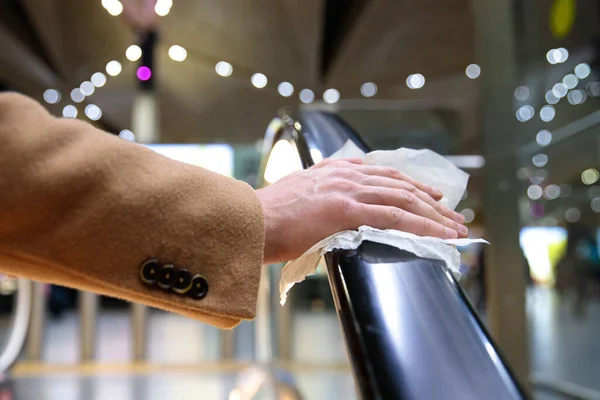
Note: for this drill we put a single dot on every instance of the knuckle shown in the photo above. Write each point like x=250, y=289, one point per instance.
x=408, y=198
x=409, y=187
x=345, y=173
x=397, y=216
x=341, y=204
x=427, y=225
x=344, y=185
x=389, y=171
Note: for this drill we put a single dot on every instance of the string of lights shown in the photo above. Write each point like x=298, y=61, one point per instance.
x=570, y=87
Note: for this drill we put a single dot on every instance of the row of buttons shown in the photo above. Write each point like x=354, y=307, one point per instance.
x=169, y=277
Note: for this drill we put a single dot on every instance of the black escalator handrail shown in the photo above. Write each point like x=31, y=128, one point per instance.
x=410, y=331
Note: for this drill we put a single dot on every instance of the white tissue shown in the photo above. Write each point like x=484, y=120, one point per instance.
x=425, y=166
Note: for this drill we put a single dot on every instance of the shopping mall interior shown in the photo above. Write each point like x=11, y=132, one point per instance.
x=507, y=91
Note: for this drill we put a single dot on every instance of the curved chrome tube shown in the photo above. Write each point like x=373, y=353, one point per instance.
x=19, y=325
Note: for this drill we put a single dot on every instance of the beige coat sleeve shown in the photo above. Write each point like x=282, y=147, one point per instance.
x=85, y=209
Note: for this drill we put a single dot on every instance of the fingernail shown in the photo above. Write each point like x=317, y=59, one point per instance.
x=459, y=217
x=438, y=192
x=463, y=229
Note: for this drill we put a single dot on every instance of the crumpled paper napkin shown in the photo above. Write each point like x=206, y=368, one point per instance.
x=423, y=165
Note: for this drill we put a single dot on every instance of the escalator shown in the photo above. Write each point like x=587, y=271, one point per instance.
x=410, y=331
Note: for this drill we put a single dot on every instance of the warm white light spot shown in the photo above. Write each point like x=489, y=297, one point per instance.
x=113, y=68
x=560, y=90
x=87, y=88
x=127, y=135
x=576, y=97
x=551, y=98
x=552, y=192
x=93, y=112
x=564, y=54
x=285, y=89
x=543, y=137
x=114, y=7
x=316, y=155
x=547, y=113
x=540, y=160
x=570, y=81
x=77, y=95
x=98, y=79
x=331, y=96
x=596, y=205
x=69, y=111
x=556, y=56
x=306, y=96
x=590, y=176
x=283, y=160
x=572, y=214
x=368, y=89
x=133, y=52
x=415, y=81
x=535, y=192
x=522, y=93
x=473, y=71
x=525, y=113
x=582, y=70
x=224, y=69
x=469, y=215
x=52, y=96
x=177, y=53
x=162, y=8
x=259, y=80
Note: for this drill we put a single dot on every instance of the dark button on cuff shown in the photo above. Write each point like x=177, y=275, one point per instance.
x=183, y=281
x=199, y=287
x=149, y=271
x=167, y=276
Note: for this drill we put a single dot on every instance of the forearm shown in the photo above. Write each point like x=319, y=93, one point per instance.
x=82, y=208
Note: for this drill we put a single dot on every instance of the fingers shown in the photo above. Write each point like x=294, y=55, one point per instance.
x=389, y=172
x=410, y=202
x=379, y=181
x=343, y=162
x=386, y=217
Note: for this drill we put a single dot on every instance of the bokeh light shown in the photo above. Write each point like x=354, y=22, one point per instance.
x=144, y=73
x=52, y=96
x=368, y=89
x=306, y=96
x=473, y=71
x=224, y=69
x=331, y=96
x=259, y=80
x=113, y=68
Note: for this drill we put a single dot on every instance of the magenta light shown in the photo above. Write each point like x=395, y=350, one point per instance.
x=144, y=73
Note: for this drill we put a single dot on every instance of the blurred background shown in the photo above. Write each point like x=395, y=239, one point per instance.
x=507, y=90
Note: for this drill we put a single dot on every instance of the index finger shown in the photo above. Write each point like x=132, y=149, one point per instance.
x=390, y=172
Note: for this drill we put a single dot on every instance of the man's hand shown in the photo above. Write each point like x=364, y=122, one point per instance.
x=335, y=195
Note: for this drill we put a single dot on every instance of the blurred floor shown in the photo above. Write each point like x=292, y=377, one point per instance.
x=563, y=348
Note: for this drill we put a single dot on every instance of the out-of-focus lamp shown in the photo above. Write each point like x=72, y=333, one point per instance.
x=283, y=160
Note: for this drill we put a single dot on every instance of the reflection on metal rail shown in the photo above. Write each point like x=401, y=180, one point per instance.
x=410, y=331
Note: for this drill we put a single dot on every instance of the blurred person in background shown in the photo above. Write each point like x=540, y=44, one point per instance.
x=87, y=210
x=577, y=268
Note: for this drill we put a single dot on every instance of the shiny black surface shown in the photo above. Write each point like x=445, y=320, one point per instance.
x=409, y=330
x=325, y=132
